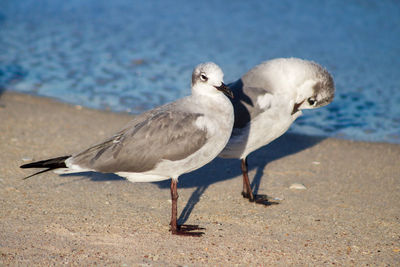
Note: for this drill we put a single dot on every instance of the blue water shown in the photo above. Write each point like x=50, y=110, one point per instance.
x=131, y=56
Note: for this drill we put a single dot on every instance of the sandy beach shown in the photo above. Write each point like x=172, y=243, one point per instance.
x=348, y=215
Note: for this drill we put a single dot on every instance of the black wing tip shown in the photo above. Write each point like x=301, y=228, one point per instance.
x=49, y=164
x=53, y=163
x=28, y=165
x=36, y=173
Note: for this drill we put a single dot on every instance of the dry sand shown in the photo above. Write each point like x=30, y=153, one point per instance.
x=348, y=215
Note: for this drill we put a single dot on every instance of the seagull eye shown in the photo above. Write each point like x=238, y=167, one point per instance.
x=203, y=77
x=311, y=101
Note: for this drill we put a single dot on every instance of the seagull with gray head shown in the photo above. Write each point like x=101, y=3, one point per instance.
x=268, y=99
x=165, y=142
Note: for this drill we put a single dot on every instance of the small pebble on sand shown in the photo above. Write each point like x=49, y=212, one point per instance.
x=297, y=186
x=26, y=158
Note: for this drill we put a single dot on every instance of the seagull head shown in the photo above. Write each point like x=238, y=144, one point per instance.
x=316, y=90
x=207, y=78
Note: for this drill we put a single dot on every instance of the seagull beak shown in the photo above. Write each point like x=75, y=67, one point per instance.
x=225, y=89
x=296, y=107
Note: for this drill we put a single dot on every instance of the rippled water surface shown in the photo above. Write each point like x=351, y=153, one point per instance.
x=135, y=55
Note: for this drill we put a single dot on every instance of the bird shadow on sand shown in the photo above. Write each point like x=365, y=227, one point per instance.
x=223, y=169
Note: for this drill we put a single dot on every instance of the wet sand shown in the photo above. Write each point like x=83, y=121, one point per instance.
x=349, y=213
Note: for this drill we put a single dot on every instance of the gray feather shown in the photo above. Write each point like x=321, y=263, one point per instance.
x=154, y=136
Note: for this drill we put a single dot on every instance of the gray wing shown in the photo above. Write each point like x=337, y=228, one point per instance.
x=245, y=102
x=154, y=136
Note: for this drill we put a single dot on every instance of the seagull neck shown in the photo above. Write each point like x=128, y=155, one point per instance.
x=217, y=102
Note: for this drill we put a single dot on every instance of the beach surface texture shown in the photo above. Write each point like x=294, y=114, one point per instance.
x=333, y=201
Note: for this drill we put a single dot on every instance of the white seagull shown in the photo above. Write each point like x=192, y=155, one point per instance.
x=165, y=142
x=268, y=99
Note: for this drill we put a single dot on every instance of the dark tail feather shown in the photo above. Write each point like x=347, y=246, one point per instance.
x=50, y=164
x=53, y=163
x=46, y=170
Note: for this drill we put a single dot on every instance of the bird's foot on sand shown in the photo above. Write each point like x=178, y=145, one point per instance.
x=187, y=230
x=261, y=199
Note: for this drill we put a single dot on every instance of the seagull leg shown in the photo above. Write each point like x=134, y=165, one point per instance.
x=174, y=198
x=175, y=228
x=247, y=192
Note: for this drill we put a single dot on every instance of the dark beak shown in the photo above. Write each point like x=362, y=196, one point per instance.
x=296, y=106
x=225, y=89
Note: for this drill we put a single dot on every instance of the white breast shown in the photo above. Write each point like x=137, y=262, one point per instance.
x=262, y=130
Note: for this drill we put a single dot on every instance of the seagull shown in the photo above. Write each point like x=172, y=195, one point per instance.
x=163, y=143
x=268, y=99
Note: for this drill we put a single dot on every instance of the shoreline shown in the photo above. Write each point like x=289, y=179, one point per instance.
x=348, y=214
